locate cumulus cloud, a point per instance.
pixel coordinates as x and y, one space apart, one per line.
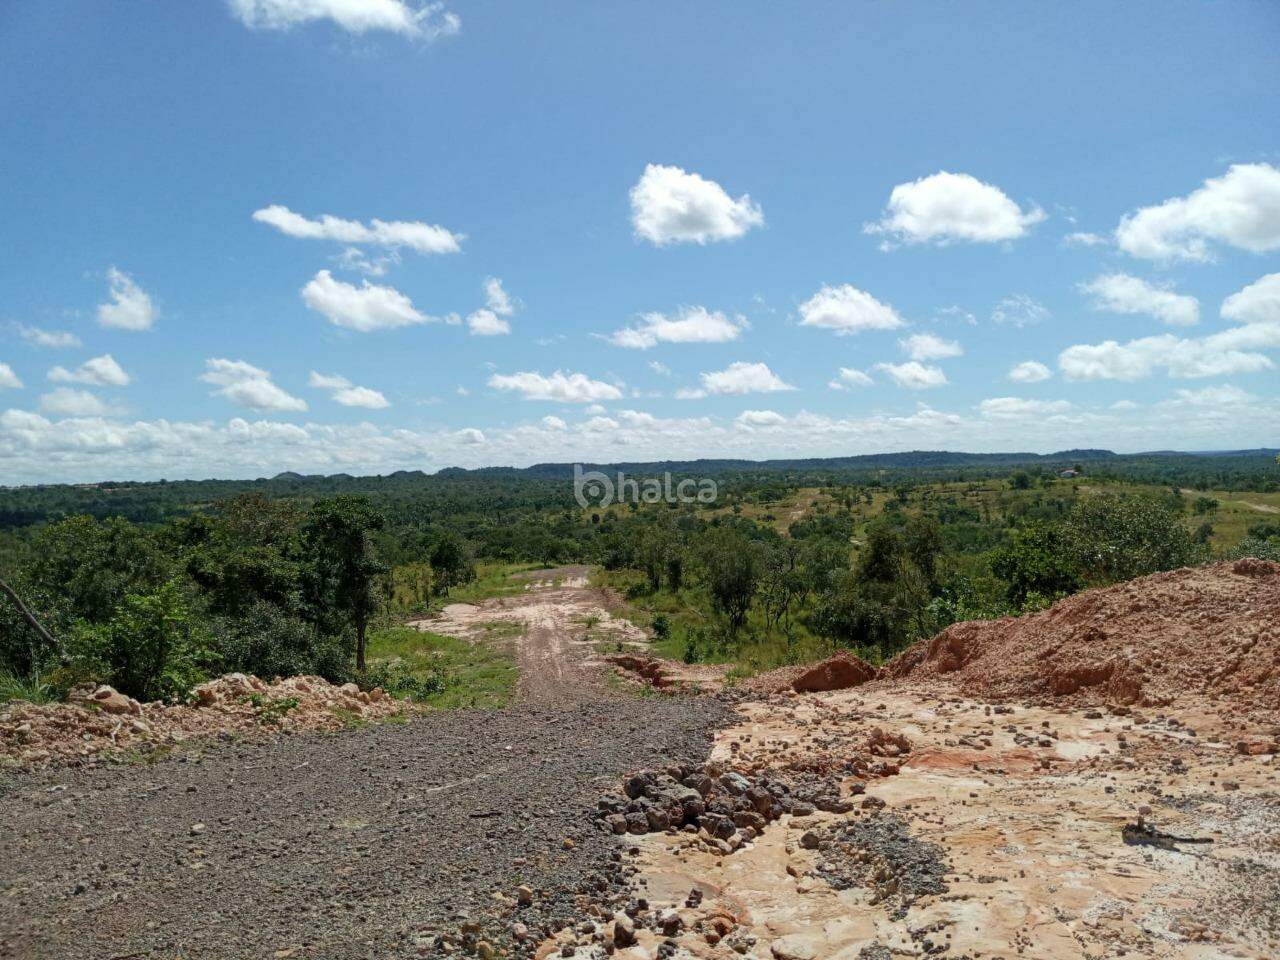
1121 293
1019 310
670 205
686 325
914 375
248 386
1259 302
365 308
749 419
946 207
1029 371
489 321
1230 351
343 391
66 402
470 436
418 21
130 308
423 237
8 379
1225 395
847 310
925 346
849 377
558 387
1017 407
55 339
735 380
1084 239
1240 209
101 371
554 423
486 323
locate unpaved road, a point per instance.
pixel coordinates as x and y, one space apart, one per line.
366 843
559 614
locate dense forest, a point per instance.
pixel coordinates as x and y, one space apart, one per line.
154 586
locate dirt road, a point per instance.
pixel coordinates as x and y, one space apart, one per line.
367 843
561 619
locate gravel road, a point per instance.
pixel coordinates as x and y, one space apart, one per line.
366 843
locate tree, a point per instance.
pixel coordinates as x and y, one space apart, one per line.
1109 539
451 564
344 567
731 566
1034 561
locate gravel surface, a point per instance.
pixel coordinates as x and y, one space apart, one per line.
370 842
366 843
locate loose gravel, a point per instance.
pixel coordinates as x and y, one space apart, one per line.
371 842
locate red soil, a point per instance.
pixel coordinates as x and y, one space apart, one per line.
1210 631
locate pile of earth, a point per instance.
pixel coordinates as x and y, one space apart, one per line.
1211 631
99 721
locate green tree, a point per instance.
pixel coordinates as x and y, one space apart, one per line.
344 566
451 564
731 567
1034 562
1110 538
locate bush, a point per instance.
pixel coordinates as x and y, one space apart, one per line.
661 627
1034 562
150 649
396 679
1109 539
267 642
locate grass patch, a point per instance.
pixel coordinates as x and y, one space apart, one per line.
449 672
32 689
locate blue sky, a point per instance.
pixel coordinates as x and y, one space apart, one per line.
991 226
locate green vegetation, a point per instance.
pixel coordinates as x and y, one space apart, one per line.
153 587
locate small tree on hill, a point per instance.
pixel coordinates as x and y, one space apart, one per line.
345 568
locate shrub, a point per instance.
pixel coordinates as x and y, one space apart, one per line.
1109 539
661 627
267 642
150 649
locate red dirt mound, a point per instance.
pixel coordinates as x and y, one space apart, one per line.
835 673
1211 631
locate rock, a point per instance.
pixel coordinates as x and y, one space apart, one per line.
524 895
840 672
624 930
108 700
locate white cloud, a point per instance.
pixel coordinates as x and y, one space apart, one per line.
1228 352
1019 310
749 419
248 386
365 308
8 379
1259 302
353 258
343 391
1240 209
952 206
737 379
1121 293
56 339
554 423
559 387
470 436
849 377
1029 371
925 346
1225 395
1017 407
497 299
65 402
914 375
687 325
418 21
1083 239
486 323
660 368
414 234
101 371
130 308
669 205
847 310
